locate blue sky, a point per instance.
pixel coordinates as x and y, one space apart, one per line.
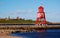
28 9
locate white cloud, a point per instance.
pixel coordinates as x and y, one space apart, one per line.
30 11
21 12
53 16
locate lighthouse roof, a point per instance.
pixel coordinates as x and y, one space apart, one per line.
40 7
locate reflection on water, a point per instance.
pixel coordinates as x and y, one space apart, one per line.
49 33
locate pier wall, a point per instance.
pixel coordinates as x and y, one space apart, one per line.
8 29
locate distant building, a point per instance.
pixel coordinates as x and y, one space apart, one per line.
8 18
17 18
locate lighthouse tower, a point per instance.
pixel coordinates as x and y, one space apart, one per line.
40 20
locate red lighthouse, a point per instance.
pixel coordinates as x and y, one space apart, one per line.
40 20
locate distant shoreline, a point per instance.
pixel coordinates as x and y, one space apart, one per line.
23 22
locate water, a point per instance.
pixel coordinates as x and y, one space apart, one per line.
49 33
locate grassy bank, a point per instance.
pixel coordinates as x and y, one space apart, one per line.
21 21
17 21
